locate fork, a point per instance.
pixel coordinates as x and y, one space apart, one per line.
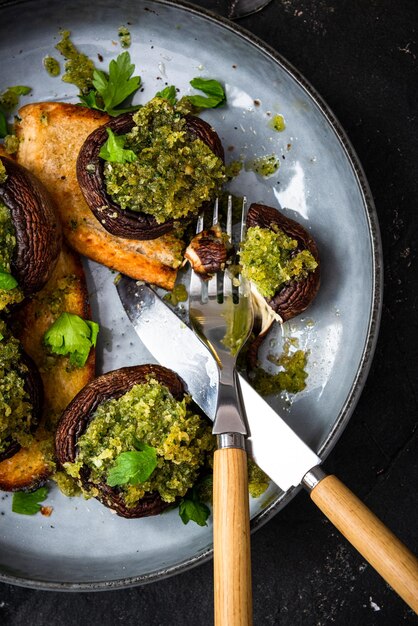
221 315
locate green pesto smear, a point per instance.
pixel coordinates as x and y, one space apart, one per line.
15 405
233 169
291 378
173 173
264 166
7 248
124 37
78 67
237 323
177 294
269 260
149 414
9 99
52 66
278 123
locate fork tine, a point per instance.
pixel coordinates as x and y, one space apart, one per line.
243 219
229 218
215 218
199 223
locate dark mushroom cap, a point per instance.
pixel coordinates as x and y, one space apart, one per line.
123 222
38 231
33 385
79 412
207 252
294 297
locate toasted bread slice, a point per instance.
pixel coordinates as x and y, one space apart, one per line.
51 135
65 291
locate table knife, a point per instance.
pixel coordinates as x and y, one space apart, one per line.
272 443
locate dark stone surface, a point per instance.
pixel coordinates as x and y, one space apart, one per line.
361 57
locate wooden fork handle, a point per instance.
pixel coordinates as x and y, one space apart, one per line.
389 557
231 538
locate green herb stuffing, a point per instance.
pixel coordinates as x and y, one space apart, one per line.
269 259
11 144
258 481
147 416
78 67
67 485
10 292
29 503
109 91
15 404
292 377
71 334
263 166
174 172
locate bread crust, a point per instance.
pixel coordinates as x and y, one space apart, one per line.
31 466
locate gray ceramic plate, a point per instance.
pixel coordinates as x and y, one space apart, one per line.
320 182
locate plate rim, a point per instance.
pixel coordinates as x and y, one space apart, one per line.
372 331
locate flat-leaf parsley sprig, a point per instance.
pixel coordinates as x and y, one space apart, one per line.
133 467
29 503
112 89
72 335
214 94
191 508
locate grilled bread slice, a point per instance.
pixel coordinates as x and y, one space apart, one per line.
65 291
51 135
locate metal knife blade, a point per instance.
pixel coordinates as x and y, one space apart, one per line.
272 444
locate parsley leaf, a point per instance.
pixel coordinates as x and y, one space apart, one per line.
133 467
90 100
113 149
28 503
168 93
72 335
3 125
212 88
114 88
7 281
191 508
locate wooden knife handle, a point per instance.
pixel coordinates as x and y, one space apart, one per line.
231 539
379 546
